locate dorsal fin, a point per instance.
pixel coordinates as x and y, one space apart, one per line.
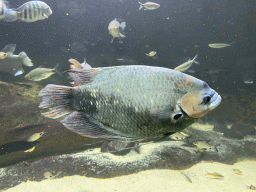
83 76
9 48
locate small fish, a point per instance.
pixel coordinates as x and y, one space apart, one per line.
48 175
11 63
35 137
204 146
32 11
40 73
30 150
179 136
75 63
149 6
114 28
219 45
251 187
214 175
151 54
120 146
237 171
186 65
129 101
187 178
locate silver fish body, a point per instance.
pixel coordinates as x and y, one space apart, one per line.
186 65
219 45
129 101
11 63
33 11
149 6
40 73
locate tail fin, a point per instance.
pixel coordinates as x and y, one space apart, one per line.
141 5
25 59
58 98
56 70
11 15
123 25
194 59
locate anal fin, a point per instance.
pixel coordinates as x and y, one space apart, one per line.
82 124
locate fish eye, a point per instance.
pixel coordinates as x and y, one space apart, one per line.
177 116
206 99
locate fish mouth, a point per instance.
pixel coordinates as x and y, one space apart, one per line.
215 101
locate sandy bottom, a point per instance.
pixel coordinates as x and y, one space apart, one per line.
155 180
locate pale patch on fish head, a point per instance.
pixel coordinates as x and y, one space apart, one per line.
3 55
196 104
47 12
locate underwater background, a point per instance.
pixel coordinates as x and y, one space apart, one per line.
177 31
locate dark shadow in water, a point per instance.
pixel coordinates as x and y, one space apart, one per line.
16 146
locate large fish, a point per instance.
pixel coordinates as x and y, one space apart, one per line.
30 12
129 101
114 28
13 63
